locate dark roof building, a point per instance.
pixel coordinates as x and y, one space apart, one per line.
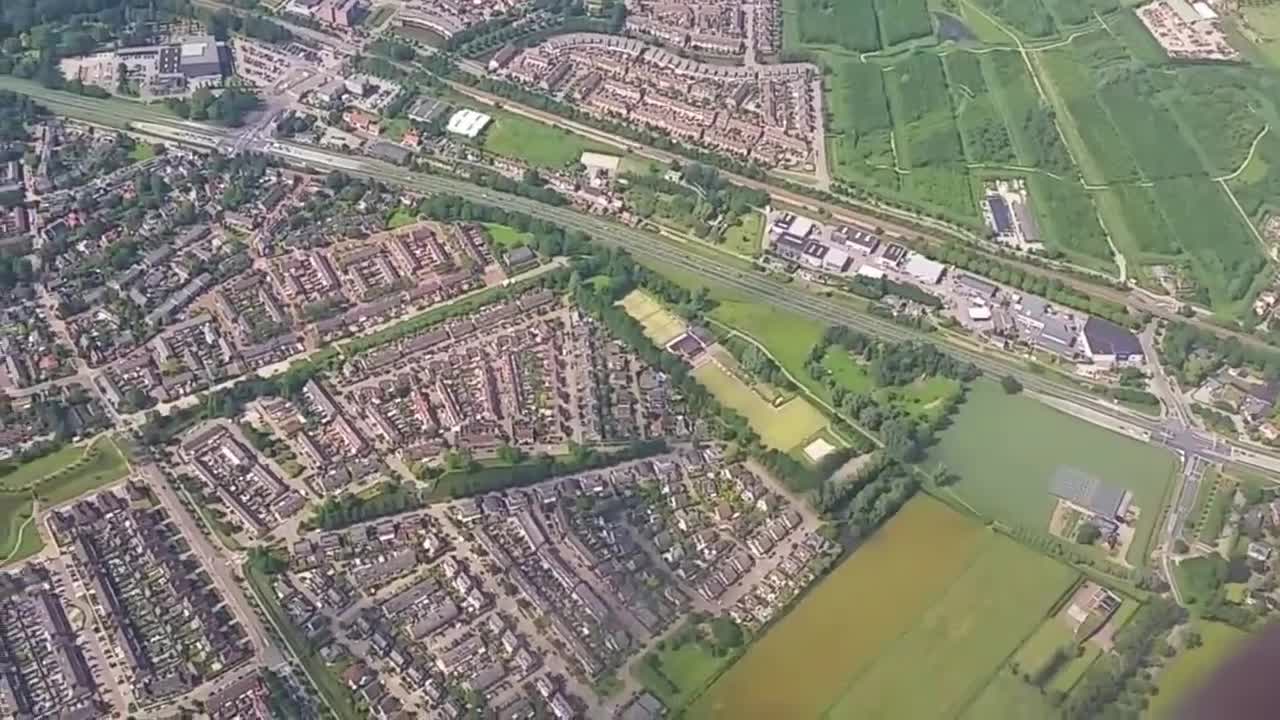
977 286
1108 340
1089 493
1001 217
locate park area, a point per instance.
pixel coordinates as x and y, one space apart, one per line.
1004 448
926 398
53 479
933 594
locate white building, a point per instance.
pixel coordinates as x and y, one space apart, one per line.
468 123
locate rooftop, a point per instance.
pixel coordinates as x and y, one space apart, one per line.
1088 492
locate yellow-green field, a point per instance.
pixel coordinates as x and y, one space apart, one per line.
1184 673
782 427
660 324
932 595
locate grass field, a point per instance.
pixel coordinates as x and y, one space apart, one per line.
1033 440
506 237
1039 649
400 218
850 25
787 336
1184 673
15 542
660 324
55 478
931 595
28 474
783 427
689 668
142 151
744 236
536 143
1008 697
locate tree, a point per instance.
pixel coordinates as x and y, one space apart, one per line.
1011 385
726 634
1192 639
1088 534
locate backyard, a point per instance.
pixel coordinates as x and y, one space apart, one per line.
1033 440
932 594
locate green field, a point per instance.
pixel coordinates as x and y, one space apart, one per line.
1039 649
861 129
784 427
53 479
787 336
923 398
931 595
849 25
28 474
744 236
902 20
1184 673
1033 440
1008 697
688 668
660 324
983 132
536 143
401 218
1028 18
17 539
506 237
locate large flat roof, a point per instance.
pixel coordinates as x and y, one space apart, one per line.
467 122
1088 492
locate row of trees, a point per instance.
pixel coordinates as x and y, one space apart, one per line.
226 108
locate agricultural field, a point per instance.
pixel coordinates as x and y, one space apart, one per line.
1225 255
1257 188
536 143
1011 486
660 324
1008 697
784 427
1189 668
861 130
902 20
983 132
1221 112
1038 651
923 119
931 594
848 25
1262 27
1028 18
1069 220
1144 230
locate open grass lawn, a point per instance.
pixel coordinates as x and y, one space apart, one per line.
660 324
28 474
744 236
1039 650
688 668
783 427
931 595
536 143
1012 485
787 336
395 128
1184 673
506 237
15 542
102 464
400 218
1262 27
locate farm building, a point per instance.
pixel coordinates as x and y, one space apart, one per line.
1089 494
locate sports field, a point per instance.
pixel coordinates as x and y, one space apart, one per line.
1033 440
783 427
931 595
660 324
1185 672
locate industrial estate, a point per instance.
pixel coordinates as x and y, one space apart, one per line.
631 359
